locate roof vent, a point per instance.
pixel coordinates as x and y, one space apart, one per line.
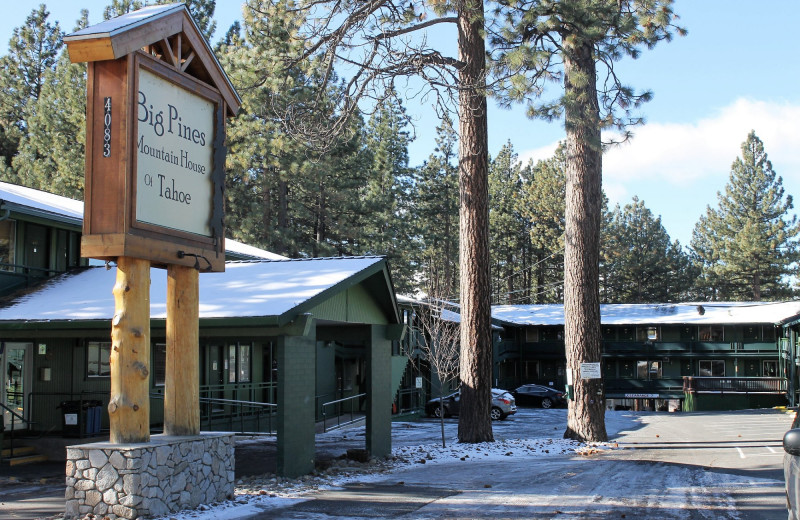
701 310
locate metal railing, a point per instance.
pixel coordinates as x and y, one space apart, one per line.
737 385
250 413
336 408
14 417
410 400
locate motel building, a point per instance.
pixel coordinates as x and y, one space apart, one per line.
666 357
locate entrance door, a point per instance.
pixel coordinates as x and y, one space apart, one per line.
17 360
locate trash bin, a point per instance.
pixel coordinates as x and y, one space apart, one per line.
93 417
73 419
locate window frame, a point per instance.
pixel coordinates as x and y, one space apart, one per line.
710 370
100 346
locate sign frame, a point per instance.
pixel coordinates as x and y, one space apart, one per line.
111 228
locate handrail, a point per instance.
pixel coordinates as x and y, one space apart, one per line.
257 408
14 415
339 413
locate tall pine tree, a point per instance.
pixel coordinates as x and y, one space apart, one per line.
639 262
747 245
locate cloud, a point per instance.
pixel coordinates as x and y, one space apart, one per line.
681 154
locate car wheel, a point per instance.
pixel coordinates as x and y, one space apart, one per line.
437 412
496 413
547 402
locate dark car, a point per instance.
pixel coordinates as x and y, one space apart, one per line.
539 395
503 405
791 468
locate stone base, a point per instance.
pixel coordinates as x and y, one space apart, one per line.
143 480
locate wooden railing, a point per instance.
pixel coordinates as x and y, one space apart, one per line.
737 385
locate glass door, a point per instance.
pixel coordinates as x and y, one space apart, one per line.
17 360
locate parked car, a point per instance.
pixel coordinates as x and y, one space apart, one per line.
539 395
791 468
503 405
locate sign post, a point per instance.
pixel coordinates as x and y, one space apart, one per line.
157 101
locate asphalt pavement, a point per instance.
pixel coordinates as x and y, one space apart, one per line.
665 465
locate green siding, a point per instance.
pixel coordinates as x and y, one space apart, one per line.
355 305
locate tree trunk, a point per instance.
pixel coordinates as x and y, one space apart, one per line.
474 423
582 334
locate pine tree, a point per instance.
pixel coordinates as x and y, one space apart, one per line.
747 246
509 231
542 204
32 51
639 262
435 213
386 197
567 40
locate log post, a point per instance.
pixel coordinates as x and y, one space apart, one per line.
129 406
182 379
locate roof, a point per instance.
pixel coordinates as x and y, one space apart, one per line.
275 290
123 35
39 203
29 201
658 313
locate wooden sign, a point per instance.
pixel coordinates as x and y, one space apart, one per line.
157 102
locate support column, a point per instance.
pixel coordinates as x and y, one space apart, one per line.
379 393
182 378
129 406
296 404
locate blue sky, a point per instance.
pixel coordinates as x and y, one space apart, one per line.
736 71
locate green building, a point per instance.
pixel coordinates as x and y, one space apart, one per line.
283 343
688 356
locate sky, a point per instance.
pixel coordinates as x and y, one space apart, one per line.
734 72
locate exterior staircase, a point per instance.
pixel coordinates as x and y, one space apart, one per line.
20 454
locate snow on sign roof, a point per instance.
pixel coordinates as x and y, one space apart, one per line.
245 289
41 200
657 314
126 21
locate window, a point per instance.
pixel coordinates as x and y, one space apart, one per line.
551 334
7 244
239 362
712 368
97 359
648 369
712 333
531 335
770 368
646 333
769 333
159 364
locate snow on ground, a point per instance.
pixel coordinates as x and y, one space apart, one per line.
531 434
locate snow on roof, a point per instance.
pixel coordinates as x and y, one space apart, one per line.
64 206
125 22
41 200
245 289
657 314
233 246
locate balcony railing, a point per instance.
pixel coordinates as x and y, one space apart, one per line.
734 385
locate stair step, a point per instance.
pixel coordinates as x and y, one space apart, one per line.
18 450
26 459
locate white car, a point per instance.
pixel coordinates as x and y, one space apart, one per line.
503 405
